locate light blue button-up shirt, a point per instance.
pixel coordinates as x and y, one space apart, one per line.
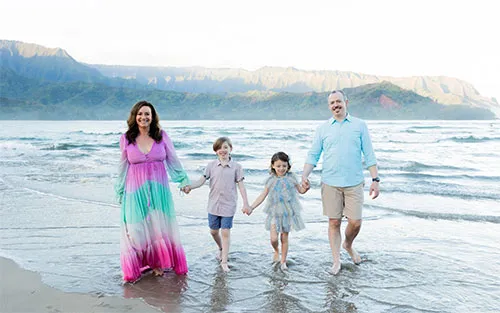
342 144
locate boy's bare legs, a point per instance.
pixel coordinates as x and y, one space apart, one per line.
275 244
284 250
335 239
216 235
226 239
351 231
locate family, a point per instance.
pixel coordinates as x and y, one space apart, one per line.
150 238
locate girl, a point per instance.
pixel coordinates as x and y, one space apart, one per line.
224 174
282 207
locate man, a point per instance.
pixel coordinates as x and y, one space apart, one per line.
342 139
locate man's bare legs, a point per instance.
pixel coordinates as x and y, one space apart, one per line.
351 231
275 243
335 239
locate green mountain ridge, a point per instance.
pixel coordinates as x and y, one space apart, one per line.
443 89
26 98
49 84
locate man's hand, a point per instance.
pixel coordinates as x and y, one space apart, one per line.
374 190
305 183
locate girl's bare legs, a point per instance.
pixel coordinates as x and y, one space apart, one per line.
216 235
275 243
284 250
226 240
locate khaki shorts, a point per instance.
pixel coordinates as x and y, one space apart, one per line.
342 201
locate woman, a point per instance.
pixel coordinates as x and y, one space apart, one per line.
149 231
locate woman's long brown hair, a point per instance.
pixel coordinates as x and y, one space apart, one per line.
133 128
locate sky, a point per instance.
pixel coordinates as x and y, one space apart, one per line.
381 37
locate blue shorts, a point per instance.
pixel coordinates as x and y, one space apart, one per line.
216 222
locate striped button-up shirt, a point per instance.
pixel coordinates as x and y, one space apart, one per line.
342 144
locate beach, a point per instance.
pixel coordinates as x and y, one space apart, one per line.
23 291
429 242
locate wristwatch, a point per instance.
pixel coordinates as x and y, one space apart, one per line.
377 179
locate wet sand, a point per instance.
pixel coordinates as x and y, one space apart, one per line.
23 291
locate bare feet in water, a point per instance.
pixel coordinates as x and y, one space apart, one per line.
224 266
276 257
336 268
283 266
219 255
158 272
353 253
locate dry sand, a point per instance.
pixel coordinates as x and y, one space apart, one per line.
23 291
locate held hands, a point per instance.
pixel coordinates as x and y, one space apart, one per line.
247 210
305 184
186 189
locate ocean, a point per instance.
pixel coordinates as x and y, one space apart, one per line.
430 242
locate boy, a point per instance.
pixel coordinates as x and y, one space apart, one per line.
224 174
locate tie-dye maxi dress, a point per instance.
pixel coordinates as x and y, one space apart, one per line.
149 231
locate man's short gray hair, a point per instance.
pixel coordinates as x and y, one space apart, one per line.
339 91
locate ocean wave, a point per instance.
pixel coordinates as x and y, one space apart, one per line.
15 146
200 155
24 138
77 156
273 136
414 166
229 132
82 146
443 216
388 150
82 132
181 145
443 190
192 132
425 127
255 171
457 177
50 194
470 139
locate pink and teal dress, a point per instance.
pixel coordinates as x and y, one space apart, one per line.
149 230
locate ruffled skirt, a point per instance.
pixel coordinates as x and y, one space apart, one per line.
149 230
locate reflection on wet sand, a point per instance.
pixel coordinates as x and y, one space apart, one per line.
221 297
161 292
278 299
334 299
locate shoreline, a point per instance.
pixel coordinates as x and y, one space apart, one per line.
23 291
